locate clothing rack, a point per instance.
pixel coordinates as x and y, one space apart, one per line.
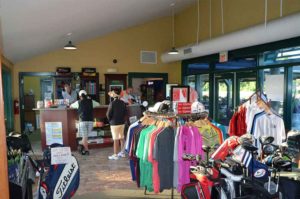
160 116
171 115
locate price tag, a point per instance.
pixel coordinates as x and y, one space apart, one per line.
60 155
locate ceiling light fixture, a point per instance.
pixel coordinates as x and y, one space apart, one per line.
70 46
173 50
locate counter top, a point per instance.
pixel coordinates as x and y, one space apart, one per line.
64 108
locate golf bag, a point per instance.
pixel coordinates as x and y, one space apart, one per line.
61 180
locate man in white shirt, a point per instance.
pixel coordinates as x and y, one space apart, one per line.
69 94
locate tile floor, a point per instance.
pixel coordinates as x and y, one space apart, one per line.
103 178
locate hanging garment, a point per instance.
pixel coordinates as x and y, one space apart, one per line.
210 136
132 153
189 142
175 158
252 110
269 125
155 175
163 154
145 166
220 134
223 129
129 139
237 124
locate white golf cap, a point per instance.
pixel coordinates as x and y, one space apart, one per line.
82 92
197 107
155 108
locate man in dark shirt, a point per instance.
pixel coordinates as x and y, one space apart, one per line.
85 111
116 113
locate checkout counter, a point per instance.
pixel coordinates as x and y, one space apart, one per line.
63 123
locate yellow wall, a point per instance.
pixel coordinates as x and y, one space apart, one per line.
238 14
124 45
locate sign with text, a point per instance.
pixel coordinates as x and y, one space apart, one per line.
53 133
60 155
223 56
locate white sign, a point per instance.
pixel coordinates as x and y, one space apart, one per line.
274 87
223 56
53 133
60 155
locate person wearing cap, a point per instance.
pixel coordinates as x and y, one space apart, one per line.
126 96
85 107
69 94
116 114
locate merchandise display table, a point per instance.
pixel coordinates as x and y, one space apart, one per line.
67 117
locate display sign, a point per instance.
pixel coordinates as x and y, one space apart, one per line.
274 87
223 56
60 155
180 93
88 71
53 133
63 71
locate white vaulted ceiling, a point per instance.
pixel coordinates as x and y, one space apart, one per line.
34 27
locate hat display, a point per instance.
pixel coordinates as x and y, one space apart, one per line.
197 107
82 92
155 108
160 107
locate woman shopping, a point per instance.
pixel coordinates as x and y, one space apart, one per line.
116 114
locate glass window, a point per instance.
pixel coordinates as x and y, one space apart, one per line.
224 100
296 98
191 81
203 89
286 55
274 88
237 64
247 86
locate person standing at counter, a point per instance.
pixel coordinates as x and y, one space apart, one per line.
116 114
69 94
85 107
126 96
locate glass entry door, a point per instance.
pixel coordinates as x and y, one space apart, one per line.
245 86
224 98
232 89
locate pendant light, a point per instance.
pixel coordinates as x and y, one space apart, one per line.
173 50
69 45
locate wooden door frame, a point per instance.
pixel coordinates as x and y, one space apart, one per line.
4 189
21 91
